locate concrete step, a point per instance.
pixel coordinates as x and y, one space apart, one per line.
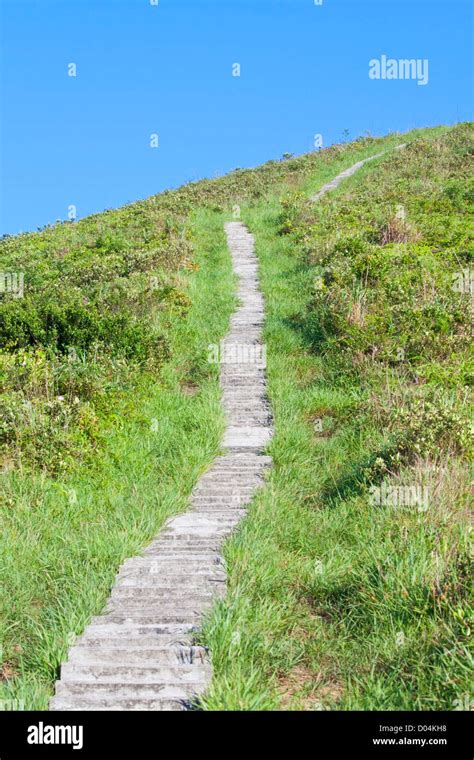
247 437
163 562
182 617
223 492
196 579
133 629
232 509
248 466
230 474
110 642
254 384
159 608
192 582
242 360
176 592
156 603
180 555
117 674
179 544
162 632
91 690
139 656
197 531
195 520
181 548
232 495
254 470
115 704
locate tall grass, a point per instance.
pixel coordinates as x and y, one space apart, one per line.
335 602
64 539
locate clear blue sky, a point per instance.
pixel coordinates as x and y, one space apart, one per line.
167 69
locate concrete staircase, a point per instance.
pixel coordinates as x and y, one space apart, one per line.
139 654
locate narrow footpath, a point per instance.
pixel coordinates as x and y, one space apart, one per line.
139 654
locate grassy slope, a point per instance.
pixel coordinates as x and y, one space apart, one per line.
109 407
64 538
335 603
69 523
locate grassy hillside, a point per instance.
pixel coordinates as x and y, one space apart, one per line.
110 411
350 579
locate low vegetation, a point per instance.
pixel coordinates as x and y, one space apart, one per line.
110 411
350 578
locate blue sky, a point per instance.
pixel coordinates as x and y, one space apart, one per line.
167 69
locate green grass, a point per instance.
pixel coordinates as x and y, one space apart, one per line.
64 539
111 412
335 603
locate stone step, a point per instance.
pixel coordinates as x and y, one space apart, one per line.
242 458
134 629
181 555
251 470
131 643
244 411
195 520
179 599
227 489
232 495
148 569
160 609
248 459
139 656
238 383
163 584
91 690
236 437
204 527
117 674
246 422
250 397
200 563
212 509
234 482
158 580
224 481
184 617
234 385
201 531
151 593
169 544
114 704
239 362
181 552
